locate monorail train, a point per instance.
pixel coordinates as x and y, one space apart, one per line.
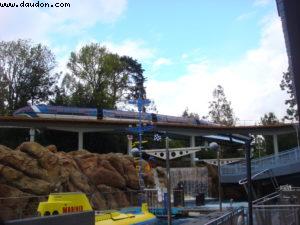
63 112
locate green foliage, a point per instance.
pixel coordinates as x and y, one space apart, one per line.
177 143
285 141
220 108
288 85
269 119
100 79
13 137
97 78
259 148
105 143
206 154
25 74
188 114
63 140
136 77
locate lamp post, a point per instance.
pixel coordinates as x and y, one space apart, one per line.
215 147
249 181
169 210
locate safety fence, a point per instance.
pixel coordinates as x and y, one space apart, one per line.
276 214
12 208
234 217
268 162
26 206
86 218
20 207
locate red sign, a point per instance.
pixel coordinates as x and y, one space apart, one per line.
73 209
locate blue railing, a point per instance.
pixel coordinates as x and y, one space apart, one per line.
235 216
268 162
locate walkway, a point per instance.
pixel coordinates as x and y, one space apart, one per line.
284 163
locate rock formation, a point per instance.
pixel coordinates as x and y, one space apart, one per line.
30 172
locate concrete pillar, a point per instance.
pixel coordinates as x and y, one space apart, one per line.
129 144
275 143
80 140
206 144
193 155
32 134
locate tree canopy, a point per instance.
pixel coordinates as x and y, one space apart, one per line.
188 114
25 74
220 110
288 85
269 119
100 79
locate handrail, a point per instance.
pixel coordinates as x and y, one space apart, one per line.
266 198
276 206
279 154
226 217
267 162
244 180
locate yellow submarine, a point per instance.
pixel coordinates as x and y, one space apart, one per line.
60 203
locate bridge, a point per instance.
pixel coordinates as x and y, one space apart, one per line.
282 164
118 126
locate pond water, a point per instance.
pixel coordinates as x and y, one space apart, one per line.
195 220
175 221
210 205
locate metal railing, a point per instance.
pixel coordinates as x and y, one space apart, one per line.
276 214
267 162
234 217
26 206
274 196
20 207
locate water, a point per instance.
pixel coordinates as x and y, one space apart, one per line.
194 180
158 186
225 204
210 205
175 221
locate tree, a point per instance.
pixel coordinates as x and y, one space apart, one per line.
269 119
188 114
288 85
3 94
60 97
136 78
260 144
100 79
25 74
220 108
285 141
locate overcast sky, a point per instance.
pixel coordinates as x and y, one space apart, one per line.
187 48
